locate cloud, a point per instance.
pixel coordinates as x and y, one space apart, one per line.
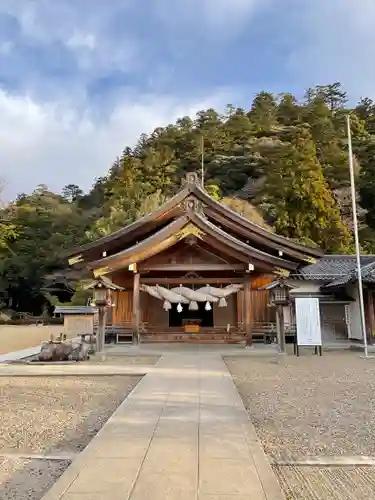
79 82
334 42
218 19
55 145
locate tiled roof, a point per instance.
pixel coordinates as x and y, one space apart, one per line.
338 270
368 276
335 267
335 271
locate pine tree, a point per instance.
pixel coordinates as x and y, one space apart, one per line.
333 94
288 111
330 152
300 200
365 110
366 153
263 111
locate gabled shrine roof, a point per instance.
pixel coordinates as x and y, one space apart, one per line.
191 211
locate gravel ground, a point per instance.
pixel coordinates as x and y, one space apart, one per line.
40 415
331 483
28 479
311 405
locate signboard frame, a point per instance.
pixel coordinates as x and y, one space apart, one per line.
308 324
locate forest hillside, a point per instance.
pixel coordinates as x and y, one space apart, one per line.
282 163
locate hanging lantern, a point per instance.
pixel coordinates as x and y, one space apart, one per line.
167 306
223 302
179 308
100 295
280 293
193 306
207 306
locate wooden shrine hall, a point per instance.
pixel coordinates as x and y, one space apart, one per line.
191 270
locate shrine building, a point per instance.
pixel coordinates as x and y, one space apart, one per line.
192 271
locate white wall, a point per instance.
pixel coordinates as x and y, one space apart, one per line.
300 286
355 313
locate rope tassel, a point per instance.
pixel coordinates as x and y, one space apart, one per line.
223 302
193 306
167 306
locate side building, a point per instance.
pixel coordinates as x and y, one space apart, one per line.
333 279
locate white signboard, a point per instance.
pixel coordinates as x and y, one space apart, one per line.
309 331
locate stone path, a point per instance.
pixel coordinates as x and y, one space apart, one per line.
182 434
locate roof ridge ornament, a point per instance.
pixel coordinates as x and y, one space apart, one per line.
193 205
191 178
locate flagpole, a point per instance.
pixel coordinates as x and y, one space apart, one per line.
356 238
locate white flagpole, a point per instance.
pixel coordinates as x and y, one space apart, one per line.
356 238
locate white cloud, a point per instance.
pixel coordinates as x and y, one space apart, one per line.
54 145
218 18
79 39
222 13
67 139
50 131
336 40
79 26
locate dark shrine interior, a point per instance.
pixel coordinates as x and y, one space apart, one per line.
177 319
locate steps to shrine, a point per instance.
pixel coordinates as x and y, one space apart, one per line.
194 338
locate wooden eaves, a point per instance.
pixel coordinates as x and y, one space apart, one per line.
179 229
176 207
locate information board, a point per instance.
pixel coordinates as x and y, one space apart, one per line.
309 332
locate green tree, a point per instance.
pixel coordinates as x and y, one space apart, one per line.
72 192
288 110
365 110
299 200
263 111
333 94
366 153
46 226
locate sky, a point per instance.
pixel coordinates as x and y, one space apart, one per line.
81 80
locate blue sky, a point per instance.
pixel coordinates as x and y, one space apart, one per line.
80 80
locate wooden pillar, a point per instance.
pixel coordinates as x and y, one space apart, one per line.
247 310
100 338
371 314
136 308
280 328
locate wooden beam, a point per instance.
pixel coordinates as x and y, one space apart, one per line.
248 310
280 328
191 281
136 308
193 267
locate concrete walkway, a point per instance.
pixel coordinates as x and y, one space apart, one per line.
182 434
15 355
